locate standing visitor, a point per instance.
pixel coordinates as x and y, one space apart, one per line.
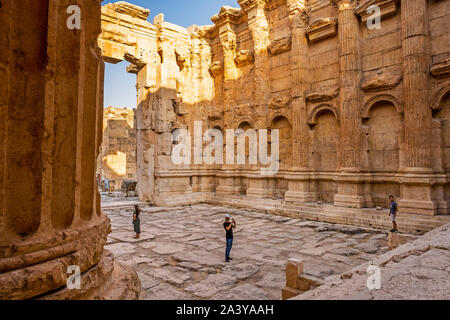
107 185
229 226
137 221
393 209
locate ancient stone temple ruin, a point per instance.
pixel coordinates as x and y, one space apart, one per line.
362 111
117 159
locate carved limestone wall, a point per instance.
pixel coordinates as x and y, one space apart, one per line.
361 111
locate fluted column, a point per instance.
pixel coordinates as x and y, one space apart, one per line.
300 188
416 190
350 188
51 117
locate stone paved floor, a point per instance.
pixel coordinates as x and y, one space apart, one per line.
181 251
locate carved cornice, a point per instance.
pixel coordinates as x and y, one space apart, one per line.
244 57
379 82
298 13
387 8
322 94
321 28
226 15
441 70
280 45
131 10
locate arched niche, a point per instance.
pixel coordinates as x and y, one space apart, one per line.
324 138
384 124
441 112
318 110
282 124
380 98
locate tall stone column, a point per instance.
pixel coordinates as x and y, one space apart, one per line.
226 22
258 185
300 188
416 182
350 185
51 124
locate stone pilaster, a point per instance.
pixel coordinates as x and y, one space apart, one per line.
226 22
259 30
350 188
299 183
416 190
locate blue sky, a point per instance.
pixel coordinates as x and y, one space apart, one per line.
120 86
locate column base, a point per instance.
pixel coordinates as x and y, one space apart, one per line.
108 280
301 197
412 206
349 201
301 189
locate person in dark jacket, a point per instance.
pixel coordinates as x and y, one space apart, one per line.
137 221
229 226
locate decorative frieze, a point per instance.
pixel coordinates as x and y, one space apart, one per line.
321 28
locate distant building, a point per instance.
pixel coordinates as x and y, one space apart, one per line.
117 159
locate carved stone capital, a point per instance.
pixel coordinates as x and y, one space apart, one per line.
298 13
248 5
227 15
345 4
